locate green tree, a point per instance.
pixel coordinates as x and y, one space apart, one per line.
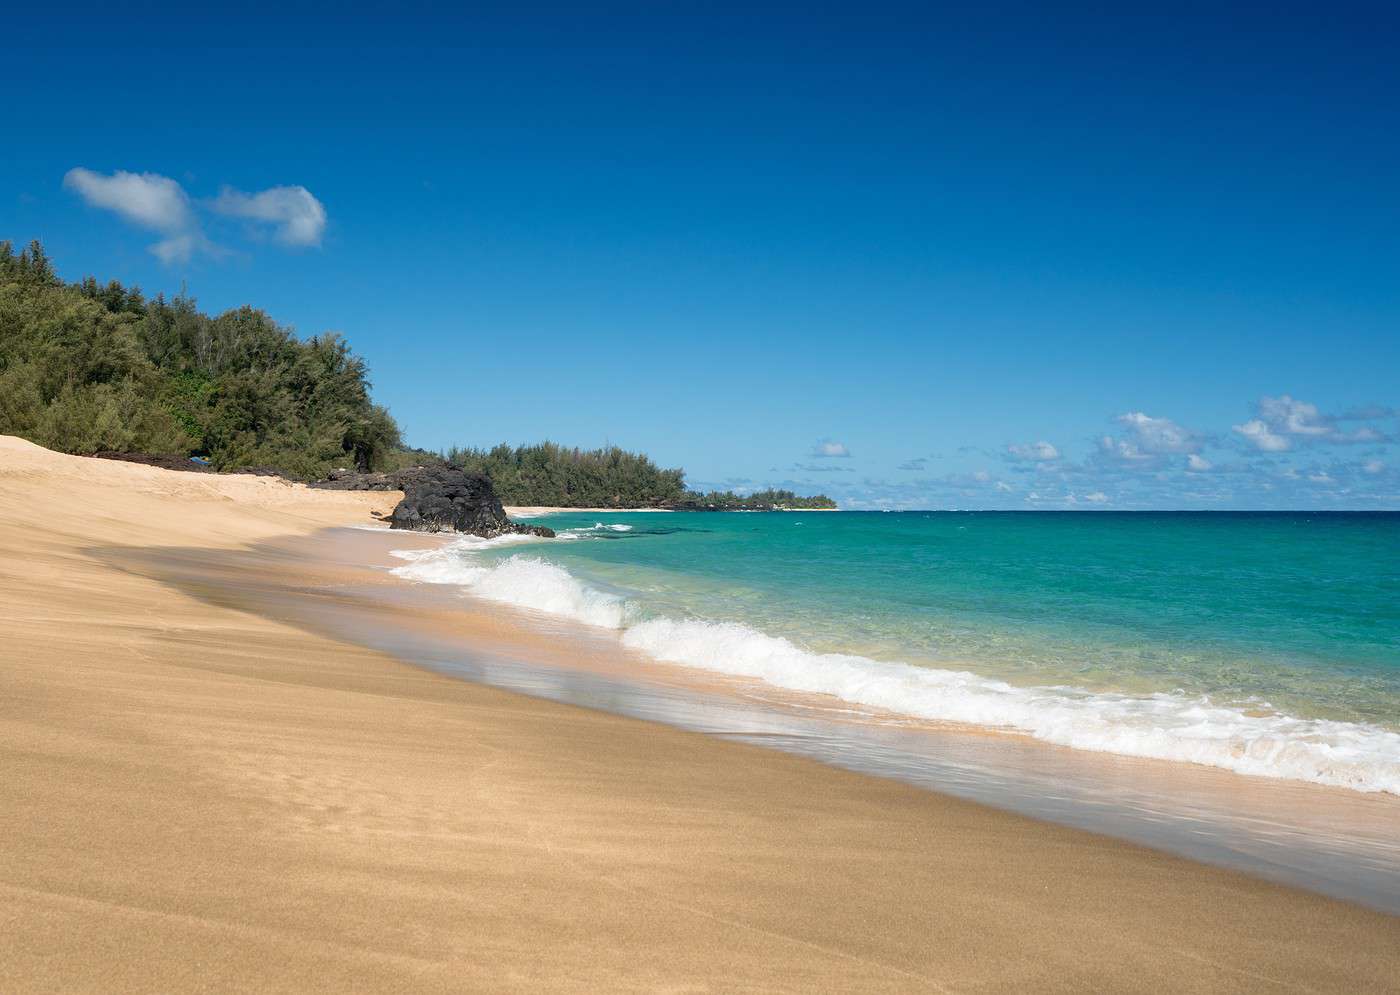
91 366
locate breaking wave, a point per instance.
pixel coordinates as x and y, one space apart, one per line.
1258 741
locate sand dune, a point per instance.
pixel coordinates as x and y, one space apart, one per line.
197 798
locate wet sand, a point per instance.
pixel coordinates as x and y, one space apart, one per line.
196 795
337 582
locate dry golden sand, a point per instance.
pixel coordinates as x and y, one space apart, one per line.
196 798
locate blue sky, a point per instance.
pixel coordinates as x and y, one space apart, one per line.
910 257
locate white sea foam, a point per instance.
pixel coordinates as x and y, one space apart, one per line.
589 531
1162 726
523 581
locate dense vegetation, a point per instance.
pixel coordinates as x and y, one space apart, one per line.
87 367
556 476
549 474
757 501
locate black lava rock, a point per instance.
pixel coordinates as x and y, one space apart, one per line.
449 499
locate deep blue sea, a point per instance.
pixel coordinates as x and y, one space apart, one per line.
1264 643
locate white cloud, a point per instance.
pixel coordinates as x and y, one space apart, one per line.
1158 435
1096 497
1283 419
1040 452
178 248
1197 464
1258 433
297 216
830 449
1146 441
1294 417
1003 486
1373 466
1122 450
160 204
147 199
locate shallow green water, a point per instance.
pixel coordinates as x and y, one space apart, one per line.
1302 610
1265 643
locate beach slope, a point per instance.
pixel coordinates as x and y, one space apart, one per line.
198 798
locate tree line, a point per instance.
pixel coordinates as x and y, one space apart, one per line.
765 500
87 367
551 475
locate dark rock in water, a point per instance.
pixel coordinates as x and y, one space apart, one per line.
542 531
437 498
448 499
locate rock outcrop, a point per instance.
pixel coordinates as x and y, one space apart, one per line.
438 499
349 480
166 461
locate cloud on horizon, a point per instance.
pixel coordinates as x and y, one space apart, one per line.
1152 461
1283 422
1034 452
1147 441
812 468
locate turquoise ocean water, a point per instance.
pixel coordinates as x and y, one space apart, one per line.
1265 643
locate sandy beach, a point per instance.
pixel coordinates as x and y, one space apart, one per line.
197 797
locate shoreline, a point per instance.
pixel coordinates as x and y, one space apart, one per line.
1328 839
203 796
1165 719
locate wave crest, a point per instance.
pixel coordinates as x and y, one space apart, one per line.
1158 726
523 581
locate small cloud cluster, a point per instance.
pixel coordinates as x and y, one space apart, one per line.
1033 452
296 217
815 468
1149 460
1282 423
1159 435
830 449
159 203
1148 440
1257 433
147 200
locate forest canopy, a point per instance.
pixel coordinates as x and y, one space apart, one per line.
88 367
551 475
